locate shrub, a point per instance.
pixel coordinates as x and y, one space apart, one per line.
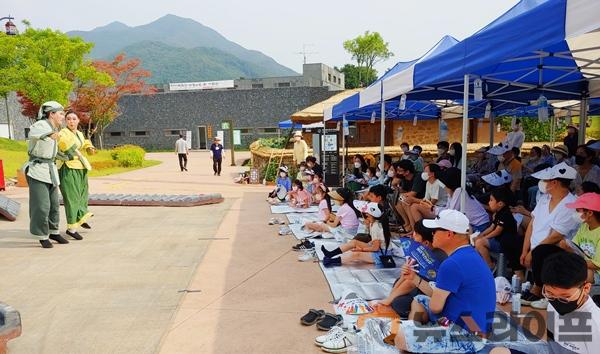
128 155
100 165
277 143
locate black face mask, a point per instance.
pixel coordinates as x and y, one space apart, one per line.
565 308
579 160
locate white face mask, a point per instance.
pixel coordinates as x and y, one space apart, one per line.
282 174
378 174
542 186
357 165
501 158
424 176
294 188
451 152
298 138
440 152
390 173
577 217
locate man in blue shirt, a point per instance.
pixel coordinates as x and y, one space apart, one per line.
461 305
216 154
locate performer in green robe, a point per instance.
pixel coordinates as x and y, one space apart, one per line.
42 174
73 175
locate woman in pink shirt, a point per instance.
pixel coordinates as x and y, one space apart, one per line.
298 196
346 218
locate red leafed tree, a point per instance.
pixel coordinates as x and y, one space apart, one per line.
100 103
28 108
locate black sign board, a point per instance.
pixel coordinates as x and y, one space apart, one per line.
330 157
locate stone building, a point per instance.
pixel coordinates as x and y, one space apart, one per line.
19 124
155 121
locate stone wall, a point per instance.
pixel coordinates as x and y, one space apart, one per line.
427 132
18 121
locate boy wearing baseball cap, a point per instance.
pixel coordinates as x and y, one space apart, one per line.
465 294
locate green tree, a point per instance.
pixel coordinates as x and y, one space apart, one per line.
353 75
367 49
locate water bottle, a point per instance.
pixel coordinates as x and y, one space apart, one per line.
527 286
501 265
516 303
515 284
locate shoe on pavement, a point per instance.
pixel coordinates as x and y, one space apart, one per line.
309 255
340 343
540 304
304 245
284 230
75 235
528 298
333 333
46 244
85 225
58 238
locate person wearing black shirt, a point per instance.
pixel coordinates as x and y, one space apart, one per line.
311 163
412 188
571 141
442 151
502 235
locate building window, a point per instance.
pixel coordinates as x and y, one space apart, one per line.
257 86
339 80
139 133
334 79
283 84
268 130
116 133
174 132
329 76
245 130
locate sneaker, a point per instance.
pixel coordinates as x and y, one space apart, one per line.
309 255
334 332
284 230
46 244
85 225
528 298
58 238
75 235
540 304
340 343
303 246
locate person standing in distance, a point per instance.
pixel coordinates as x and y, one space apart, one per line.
216 154
182 152
300 148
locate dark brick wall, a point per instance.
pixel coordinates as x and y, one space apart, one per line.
249 109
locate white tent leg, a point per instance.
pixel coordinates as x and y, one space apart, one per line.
463 160
382 143
343 150
583 115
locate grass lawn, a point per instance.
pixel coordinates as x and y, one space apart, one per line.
14 154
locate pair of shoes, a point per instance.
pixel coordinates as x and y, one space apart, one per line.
284 230
332 262
332 253
540 304
528 298
312 317
85 225
46 244
336 340
275 221
58 239
75 235
215 174
218 174
304 245
185 169
309 255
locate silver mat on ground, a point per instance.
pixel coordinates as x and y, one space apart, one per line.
9 208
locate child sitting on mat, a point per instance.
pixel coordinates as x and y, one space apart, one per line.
298 196
380 244
346 218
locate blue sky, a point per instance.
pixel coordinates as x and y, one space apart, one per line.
281 28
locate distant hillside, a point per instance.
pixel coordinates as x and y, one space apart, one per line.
185 35
171 64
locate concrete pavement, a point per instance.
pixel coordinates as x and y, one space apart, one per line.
117 291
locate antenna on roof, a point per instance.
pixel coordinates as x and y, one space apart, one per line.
304 53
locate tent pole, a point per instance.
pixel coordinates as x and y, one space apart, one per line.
552 131
463 159
583 115
382 137
343 149
491 129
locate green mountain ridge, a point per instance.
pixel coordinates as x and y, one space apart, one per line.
181 34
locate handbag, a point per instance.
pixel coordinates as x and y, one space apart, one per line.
387 260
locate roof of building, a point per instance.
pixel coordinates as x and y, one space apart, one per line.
314 113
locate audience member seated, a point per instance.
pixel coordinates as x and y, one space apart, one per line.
455 153
346 218
533 192
404 291
372 176
551 222
547 156
414 156
464 294
588 187
502 235
587 170
533 160
299 197
484 165
442 151
568 293
561 154
311 163
490 182
412 188
355 251
435 194
405 148
508 162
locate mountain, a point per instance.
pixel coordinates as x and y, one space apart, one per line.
173 64
182 34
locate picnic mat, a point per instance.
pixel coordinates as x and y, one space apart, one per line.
302 218
9 208
164 200
284 208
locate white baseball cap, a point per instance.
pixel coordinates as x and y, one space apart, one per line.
499 149
451 220
498 178
561 170
368 208
283 169
298 133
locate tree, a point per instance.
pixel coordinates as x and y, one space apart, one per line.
99 102
367 50
353 75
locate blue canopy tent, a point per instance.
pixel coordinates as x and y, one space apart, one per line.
288 124
539 47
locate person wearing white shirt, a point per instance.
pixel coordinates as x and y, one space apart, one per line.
516 137
551 222
182 152
573 319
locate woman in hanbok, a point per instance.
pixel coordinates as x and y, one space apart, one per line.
73 175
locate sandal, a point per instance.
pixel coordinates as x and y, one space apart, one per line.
329 321
312 317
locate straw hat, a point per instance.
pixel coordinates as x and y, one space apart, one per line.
561 149
335 195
